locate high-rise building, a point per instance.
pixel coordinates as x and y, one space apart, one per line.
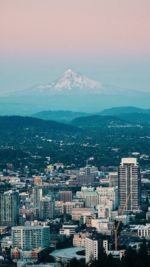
93 245
65 196
9 208
91 199
37 197
30 237
37 181
47 206
83 179
108 196
129 185
91 249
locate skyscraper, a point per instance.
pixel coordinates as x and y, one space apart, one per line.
129 185
9 208
37 196
47 206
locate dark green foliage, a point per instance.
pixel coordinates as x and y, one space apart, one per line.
67 243
98 121
28 141
44 256
14 123
76 263
131 259
136 118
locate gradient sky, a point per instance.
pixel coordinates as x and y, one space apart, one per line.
109 40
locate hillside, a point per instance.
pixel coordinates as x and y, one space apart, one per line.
130 114
60 116
18 123
124 110
140 118
98 121
35 143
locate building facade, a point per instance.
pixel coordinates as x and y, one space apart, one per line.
129 185
47 208
65 196
93 245
30 237
9 208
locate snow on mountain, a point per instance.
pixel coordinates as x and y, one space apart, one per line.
70 82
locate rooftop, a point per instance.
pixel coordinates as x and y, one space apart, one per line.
68 253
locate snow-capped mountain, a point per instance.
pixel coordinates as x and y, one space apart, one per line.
72 91
69 82
73 83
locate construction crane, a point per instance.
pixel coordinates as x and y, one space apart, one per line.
116 226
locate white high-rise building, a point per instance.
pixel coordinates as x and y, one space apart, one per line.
93 246
91 249
108 196
91 199
129 185
30 237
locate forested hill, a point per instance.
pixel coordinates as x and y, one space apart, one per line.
26 141
18 123
98 121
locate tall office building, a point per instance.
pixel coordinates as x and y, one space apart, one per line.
30 237
37 197
47 208
37 181
9 208
129 185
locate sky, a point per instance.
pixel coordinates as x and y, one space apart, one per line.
108 40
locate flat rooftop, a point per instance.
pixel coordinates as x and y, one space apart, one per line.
68 253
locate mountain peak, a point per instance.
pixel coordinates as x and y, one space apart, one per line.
69 72
70 82
73 81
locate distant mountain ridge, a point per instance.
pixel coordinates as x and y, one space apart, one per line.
126 114
60 116
130 114
71 91
124 110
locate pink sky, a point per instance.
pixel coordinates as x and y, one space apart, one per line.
75 27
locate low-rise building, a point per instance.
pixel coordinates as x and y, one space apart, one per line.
143 231
77 213
68 229
103 226
79 239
